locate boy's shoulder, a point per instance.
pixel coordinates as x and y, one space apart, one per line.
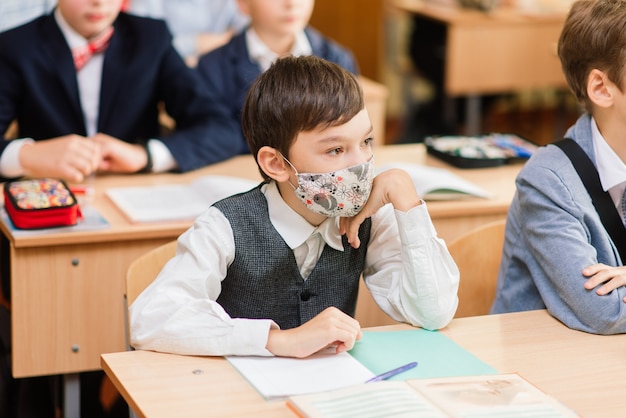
235 48
331 50
143 22
19 31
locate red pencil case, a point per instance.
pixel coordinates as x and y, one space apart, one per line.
40 203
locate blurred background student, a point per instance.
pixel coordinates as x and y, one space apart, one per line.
78 114
15 12
277 28
198 26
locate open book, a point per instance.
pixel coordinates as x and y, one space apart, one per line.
175 202
374 354
434 183
502 395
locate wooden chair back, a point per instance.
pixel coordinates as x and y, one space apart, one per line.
141 273
478 254
145 269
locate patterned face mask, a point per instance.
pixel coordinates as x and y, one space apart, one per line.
337 193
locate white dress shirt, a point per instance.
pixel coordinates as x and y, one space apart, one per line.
408 270
611 168
260 53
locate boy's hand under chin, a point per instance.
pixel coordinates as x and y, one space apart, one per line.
392 186
331 327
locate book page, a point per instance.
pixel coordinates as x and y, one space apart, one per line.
175 202
503 395
279 377
367 400
434 183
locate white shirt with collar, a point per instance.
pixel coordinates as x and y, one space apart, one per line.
260 53
89 80
611 168
408 270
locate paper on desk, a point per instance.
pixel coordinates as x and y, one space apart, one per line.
176 202
436 354
434 183
279 377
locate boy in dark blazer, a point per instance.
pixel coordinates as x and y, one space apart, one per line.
81 114
276 29
104 115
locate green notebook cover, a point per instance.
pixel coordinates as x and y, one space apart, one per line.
436 354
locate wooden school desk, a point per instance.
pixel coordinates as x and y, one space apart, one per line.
501 51
584 371
67 287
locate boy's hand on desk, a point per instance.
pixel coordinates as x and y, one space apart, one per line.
70 157
119 156
391 186
331 327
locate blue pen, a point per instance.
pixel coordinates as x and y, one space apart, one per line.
393 372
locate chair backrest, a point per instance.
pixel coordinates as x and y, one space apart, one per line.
141 273
478 254
144 270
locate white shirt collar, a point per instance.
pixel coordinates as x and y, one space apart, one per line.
259 52
292 227
610 167
73 38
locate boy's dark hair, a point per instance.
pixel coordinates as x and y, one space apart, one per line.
593 37
298 94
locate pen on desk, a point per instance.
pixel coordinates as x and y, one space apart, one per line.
393 372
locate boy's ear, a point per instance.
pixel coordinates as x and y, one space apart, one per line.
600 89
273 164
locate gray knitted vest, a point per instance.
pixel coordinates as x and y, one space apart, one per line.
264 282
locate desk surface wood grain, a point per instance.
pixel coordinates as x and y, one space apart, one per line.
586 372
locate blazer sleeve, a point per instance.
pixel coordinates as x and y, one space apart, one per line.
560 235
204 133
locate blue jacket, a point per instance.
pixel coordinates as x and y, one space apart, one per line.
141 68
229 72
553 231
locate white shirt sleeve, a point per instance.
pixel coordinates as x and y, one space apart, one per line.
409 270
162 159
9 160
178 313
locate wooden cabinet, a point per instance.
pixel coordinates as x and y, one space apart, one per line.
356 24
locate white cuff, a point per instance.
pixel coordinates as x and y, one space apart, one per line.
10 160
162 159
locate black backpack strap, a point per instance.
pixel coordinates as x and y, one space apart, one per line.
601 200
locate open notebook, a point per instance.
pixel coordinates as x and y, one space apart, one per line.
374 354
176 202
434 183
502 395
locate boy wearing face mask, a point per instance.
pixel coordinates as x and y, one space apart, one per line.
275 270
